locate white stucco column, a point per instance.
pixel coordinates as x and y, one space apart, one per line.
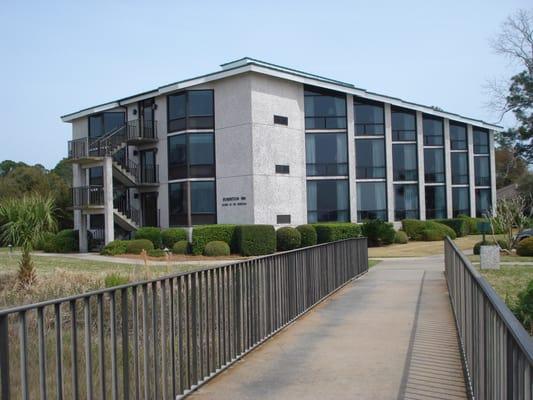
80 220
108 200
388 160
471 172
350 121
492 169
448 168
421 176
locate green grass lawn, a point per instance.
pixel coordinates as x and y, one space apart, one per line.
505 258
371 263
509 280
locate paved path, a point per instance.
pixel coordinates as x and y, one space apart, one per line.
388 335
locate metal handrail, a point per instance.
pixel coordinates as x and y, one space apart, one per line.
498 352
92 195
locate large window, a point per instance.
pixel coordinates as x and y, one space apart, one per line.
370 158
459 168
324 109
403 125
327 200
202 207
405 162
433 131
434 171
191 155
435 202
405 202
369 118
460 201
104 123
326 154
483 202
481 141
96 176
482 170
458 136
191 110
371 200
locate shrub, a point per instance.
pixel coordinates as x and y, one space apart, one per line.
477 247
181 247
150 233
288 238
432 235
216 248
378 232
172 235
255 240
307 234
47 243
157 253
114 248
525 247
203 234
524 307
66 241
400 237
112 280
459 225
471 223
138 245
330 232
414 227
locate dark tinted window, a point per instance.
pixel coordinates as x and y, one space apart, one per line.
482 170
405 162
483 202
435 202
191 155
327 200
96 176
460 201
370 158
177 156
177 203
280 120
282 169
369 118
405 201
458 137
104 123
403 125
371 200
324 110
481 141
283 219
434 165
326 154
433 132
190 110
203 207
459 168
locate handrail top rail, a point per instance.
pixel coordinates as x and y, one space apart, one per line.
514 326
27 307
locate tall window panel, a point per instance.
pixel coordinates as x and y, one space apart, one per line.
328 200
433 131
460 201
191 155
459 168
326 154
104 123
434 170
482 170
435 202
193 109
458 136
203 205
369 118
324 109
405 162
371 201
370 158
405 202
483 202
178 204
481 141
403 125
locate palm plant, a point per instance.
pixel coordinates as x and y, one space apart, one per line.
25 221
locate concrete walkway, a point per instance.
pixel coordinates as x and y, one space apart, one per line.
388 335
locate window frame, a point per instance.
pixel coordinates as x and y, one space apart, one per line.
188 166
312 91
365 169
337 211
357 101
396 178
426 137
338 167
188 117
101 116
475 134
452 141
395 133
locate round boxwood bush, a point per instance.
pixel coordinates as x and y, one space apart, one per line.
378 232
400 237
172 235
138 245
47 243
477 247
525 247
288 238
216 248
181 247
150 233
432 235
114 248
66 241
157 253
308 235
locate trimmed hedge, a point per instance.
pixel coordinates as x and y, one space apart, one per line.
288 238
157 253
255 240
330 232
181 247
172 235
477 247
138 245
459 225
47 243
400 237
150 233
414 228
203 234
66 241
216 248
472 224
114 248
432 235
308 235
525 247
378 232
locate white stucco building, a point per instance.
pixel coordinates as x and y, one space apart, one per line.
257 143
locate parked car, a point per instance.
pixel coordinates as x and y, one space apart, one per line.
524 234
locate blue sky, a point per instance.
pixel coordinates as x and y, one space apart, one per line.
58 57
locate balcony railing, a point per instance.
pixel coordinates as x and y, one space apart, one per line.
148 174
86 196
141 130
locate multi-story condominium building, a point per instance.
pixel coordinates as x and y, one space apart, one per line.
257 143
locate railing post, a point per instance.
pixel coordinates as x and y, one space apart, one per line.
4 358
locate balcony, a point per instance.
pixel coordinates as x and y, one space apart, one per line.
141 132
87 197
